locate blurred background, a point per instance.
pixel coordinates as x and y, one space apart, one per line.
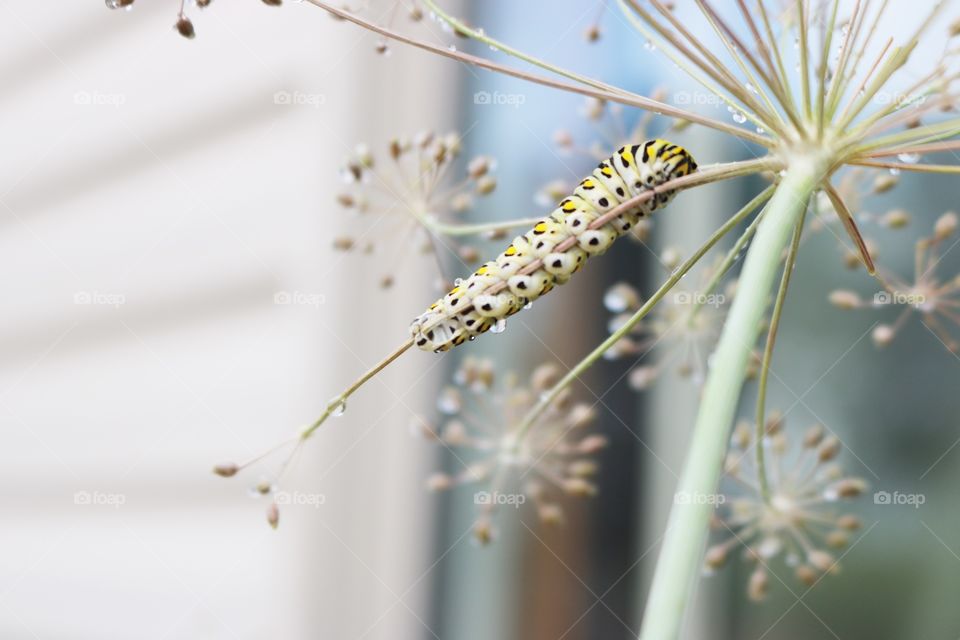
173 299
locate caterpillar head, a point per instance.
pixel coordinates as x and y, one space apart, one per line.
671 160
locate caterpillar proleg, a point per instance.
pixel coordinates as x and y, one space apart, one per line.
556 247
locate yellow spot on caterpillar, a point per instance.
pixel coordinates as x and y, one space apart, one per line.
511 251
540 228
607 171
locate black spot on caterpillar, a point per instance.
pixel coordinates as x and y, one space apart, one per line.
470 308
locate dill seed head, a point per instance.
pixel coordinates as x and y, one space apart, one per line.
797 523
412 192
507 464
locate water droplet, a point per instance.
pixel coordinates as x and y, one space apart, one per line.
761 130
649 46
113 4
500 326
909 158
751 88
529 305
339 408
452 48
894 171
739 117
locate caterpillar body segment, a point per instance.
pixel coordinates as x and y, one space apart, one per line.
501 287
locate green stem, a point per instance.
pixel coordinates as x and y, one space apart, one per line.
682 552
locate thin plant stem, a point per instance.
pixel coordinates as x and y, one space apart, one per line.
483 63
338 402
688 525
548 398
789 263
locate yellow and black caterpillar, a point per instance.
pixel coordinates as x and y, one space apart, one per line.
556 247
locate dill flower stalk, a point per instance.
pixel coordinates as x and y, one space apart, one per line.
805 126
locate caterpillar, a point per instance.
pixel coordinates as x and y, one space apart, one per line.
536 262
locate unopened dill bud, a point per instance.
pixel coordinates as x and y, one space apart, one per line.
483 531
774 423
671 258
741 435
641 378
895 219
486 185
882 335
468 254
273 515
582 468
828 449
846 488
822 561
595 108
838 539
945 226
478 167
439 482
813 436
579 487
849 522
846 300
226 470
185 28
582 415
415 13
806 575
885 183
954 29
564 140
264 487
592 34
550 514
716 557
200 3
346 200
592 444
273 3
386 282
544 377
343 243
454 433
759 584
